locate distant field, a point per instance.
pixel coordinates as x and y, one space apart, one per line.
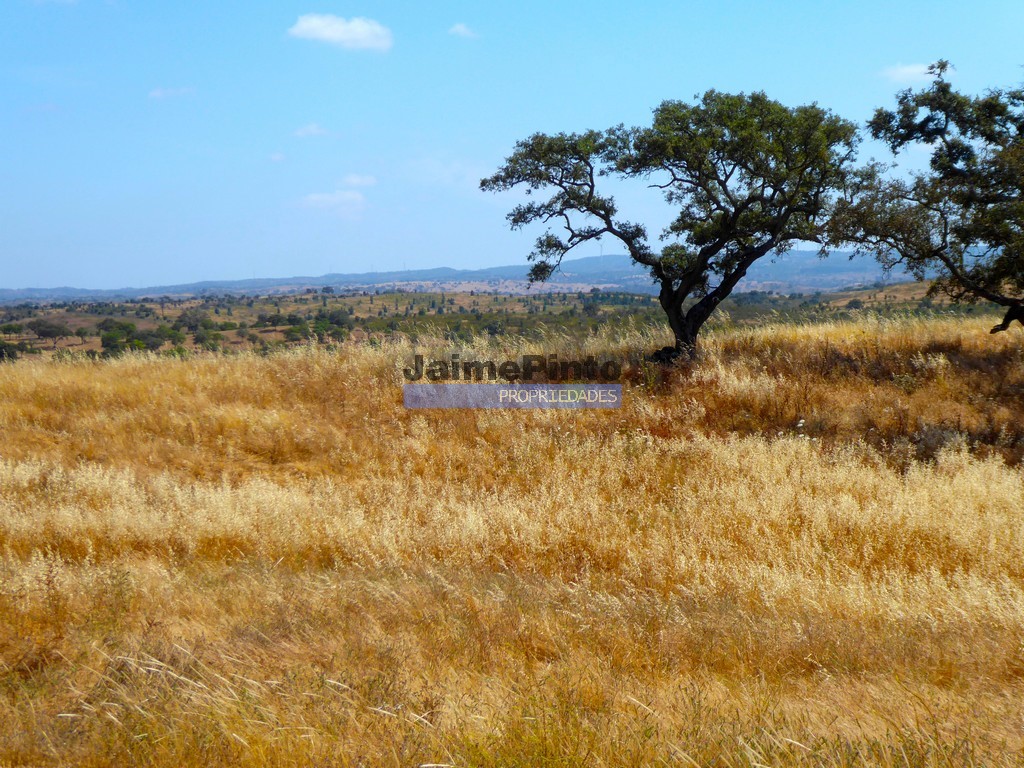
807 548
259 323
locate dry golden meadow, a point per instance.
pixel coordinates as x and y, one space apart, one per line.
805 549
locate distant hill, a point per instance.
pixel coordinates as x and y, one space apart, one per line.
797 271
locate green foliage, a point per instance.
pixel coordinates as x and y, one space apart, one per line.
191 319
119 327
207 339
171 334
46 328
112 340
297 332
961 220
117 337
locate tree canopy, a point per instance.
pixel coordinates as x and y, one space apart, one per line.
748 176
49 329
962 220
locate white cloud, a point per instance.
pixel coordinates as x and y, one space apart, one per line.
461 30
277 157
358 180
312 129
447 172
346 203
169 93
906 74
356 33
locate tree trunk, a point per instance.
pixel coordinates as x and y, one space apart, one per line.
686 325
1015 312
686 339
685 328
686 334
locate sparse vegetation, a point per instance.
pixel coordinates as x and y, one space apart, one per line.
805 548
263 323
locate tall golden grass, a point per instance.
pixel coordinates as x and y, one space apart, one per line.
805 548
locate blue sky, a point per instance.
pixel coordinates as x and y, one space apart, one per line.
149 143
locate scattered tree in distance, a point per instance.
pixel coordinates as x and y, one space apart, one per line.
45 328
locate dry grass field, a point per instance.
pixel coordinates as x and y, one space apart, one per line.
805 549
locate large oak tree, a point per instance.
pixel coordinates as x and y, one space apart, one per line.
748 176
